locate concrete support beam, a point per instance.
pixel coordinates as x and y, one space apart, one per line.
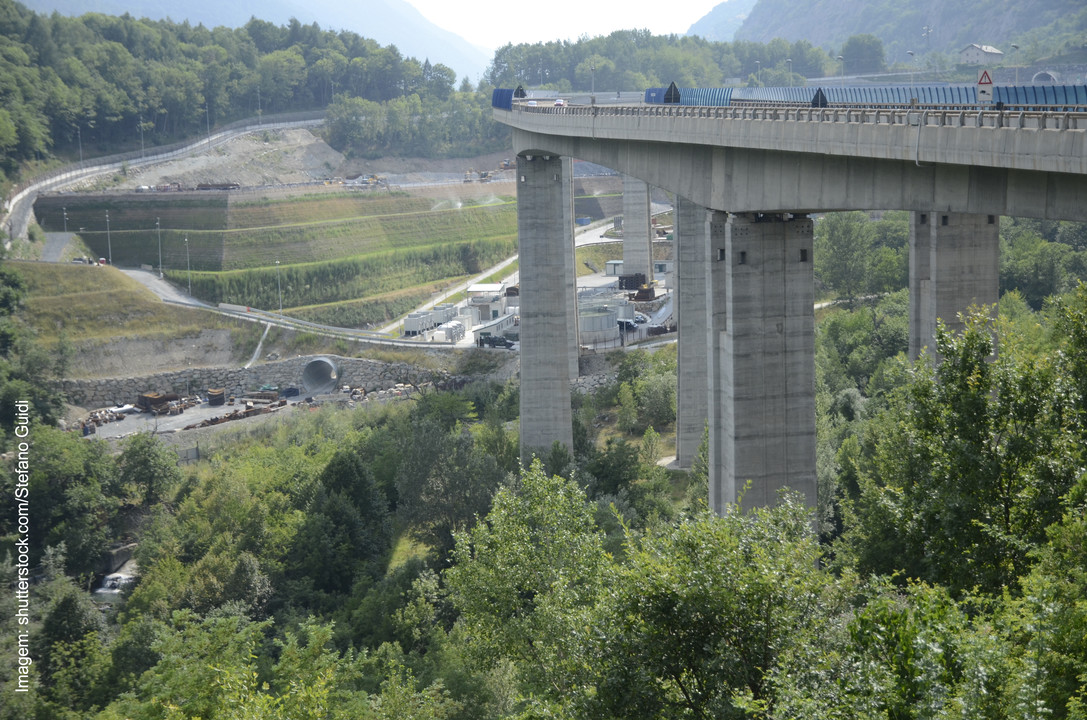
545 242
637 233
762 365
692 236
954 263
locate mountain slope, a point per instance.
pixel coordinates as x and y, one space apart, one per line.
723 21
389 22
918 25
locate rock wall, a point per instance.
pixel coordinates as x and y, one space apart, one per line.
356 372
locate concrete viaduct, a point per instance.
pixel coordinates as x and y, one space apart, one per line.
746 180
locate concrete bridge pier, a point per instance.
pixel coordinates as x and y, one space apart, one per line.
548 300
762 358
637 233
692 237
954 263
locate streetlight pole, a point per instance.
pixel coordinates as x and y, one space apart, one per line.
279 287
109 243
65 211
910 53
158 229
592 87
188 267
841 65
141 137
207 119
789 63
1016 49
79 134
758 72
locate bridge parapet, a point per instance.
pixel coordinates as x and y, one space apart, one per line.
1015 137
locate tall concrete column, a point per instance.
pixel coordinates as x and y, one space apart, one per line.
637 233
692 236
954 263
762 414
544 194
573 333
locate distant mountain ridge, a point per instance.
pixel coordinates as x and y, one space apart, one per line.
389 22
920 26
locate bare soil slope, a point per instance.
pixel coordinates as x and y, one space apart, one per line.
285 157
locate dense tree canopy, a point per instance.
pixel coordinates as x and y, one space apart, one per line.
95 84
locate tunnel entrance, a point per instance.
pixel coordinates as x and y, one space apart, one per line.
320 376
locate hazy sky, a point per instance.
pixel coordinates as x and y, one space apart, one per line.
493 23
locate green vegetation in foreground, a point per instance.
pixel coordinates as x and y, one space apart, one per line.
397 561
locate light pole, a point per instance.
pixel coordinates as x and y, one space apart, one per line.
841 72
188 267
65 211
79 134
910 53
789 63
207 119
758 72
592 80
279 287
109 243
141 137
158 229
1016 49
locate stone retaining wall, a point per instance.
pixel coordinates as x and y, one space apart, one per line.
356 372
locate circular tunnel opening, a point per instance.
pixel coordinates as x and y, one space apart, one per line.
319 376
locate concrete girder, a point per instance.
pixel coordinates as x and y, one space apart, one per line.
747 180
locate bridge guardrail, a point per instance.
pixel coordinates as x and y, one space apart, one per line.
1067 117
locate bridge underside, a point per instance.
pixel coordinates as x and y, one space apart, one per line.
762 181
745 286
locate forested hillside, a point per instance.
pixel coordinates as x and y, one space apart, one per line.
98 84
636 59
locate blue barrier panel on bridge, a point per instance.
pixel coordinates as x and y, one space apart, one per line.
655 96
793 95
502 98
901 95
1041 95
712 97
658 96
938 95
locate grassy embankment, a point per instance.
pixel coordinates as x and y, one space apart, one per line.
87 303
349 259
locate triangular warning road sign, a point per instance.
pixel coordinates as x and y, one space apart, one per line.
984 78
